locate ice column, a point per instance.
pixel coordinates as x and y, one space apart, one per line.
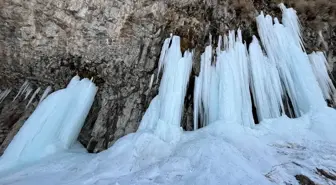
265 83
164 114
320 68
222 89
54 125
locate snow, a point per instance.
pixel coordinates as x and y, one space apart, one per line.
219 153
228 149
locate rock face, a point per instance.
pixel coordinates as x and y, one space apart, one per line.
118 43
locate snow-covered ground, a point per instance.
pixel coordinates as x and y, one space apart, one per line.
272 152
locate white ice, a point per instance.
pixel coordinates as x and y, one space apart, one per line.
265 84
320 67
283 47
165 112
229 149
54 125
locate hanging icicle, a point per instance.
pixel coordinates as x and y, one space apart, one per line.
320 68
21 90
283 47
45 93
4 94
265 84
33 96
163 117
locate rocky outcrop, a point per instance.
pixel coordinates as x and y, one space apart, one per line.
118 43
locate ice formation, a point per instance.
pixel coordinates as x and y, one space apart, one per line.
54 125
283 47
21 90
320 67
165 119
4 94
45 93
230 148
33 96
222 89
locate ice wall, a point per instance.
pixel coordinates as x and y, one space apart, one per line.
54 125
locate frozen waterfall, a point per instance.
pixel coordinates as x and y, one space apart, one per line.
275 76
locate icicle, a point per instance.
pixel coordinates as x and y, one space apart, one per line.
197 100
45 93
22 89
4 94
213 95
320 68
164 50
291 21
220 40
283 49
151 82
241 56
206 81
28 90
33 96
266 85
172 90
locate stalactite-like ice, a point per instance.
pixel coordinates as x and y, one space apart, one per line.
151 82
197 101
320 68
4 94
265 83
22 89
283 47
164 115
234 102
54 125
33 96
45 93
291 21
205 76
222 89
